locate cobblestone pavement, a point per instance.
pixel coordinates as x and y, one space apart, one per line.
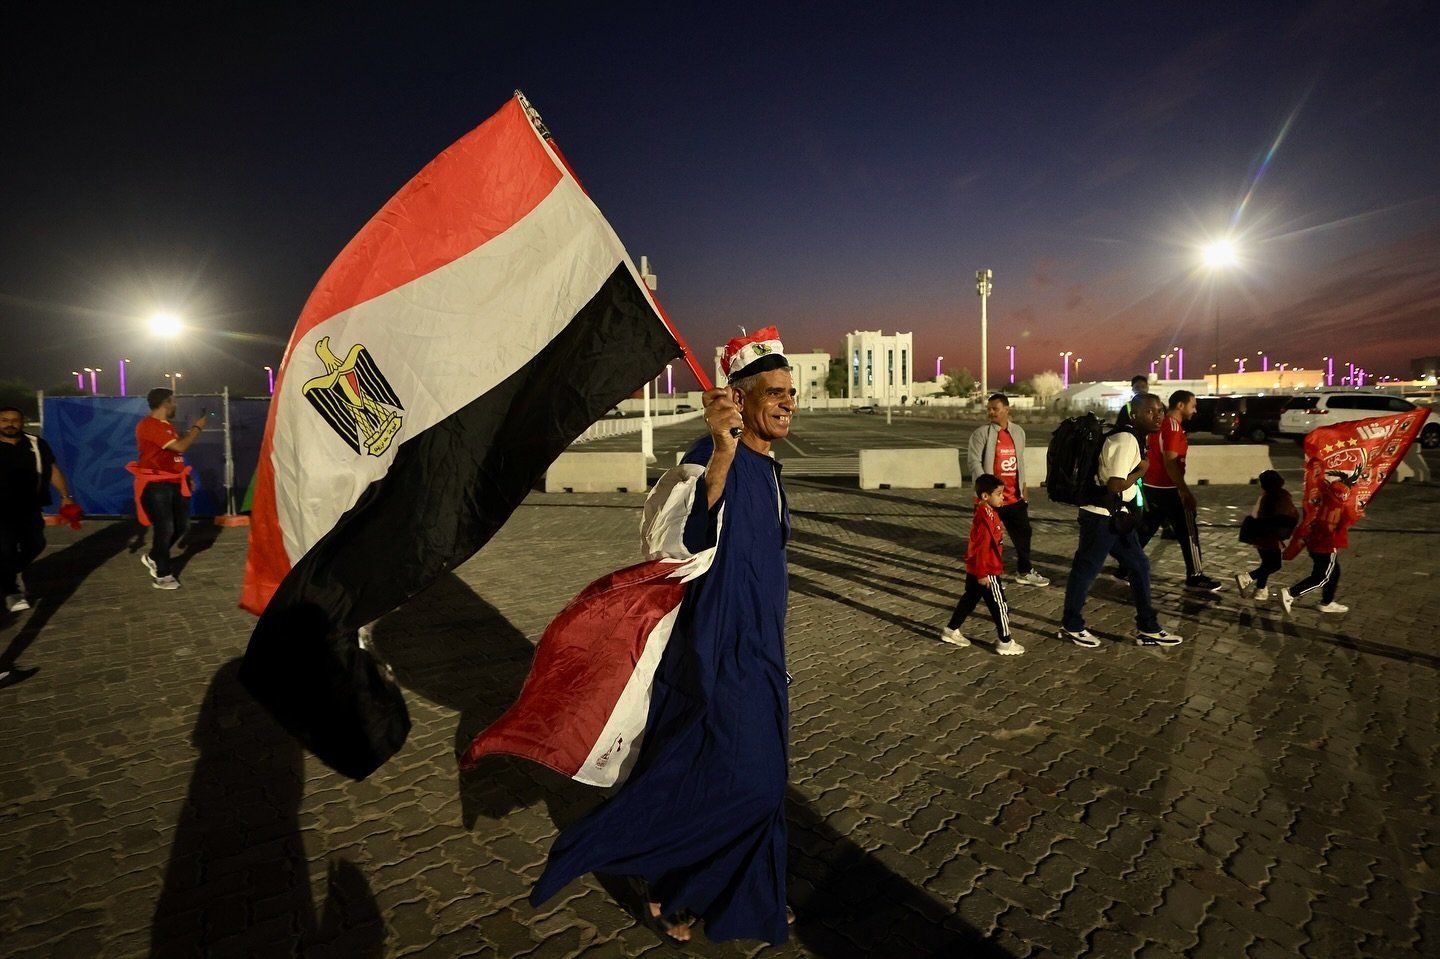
1266 789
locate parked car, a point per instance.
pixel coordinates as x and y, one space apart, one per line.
684 408
1204 419
1253 418
867 408
1306 411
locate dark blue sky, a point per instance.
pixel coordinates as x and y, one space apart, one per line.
822 166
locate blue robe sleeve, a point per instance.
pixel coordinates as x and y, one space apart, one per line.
700 526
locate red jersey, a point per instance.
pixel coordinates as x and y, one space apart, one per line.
151 435
983 551
1169 437
1006 467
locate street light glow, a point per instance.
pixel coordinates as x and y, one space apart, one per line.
1220 253
165 324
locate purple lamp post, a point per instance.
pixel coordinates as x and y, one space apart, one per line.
1012 364
1264 361
1179 362
79 379
670 379
1153 364
122 376
94 386
1066 357
1239 364
937 368
270 379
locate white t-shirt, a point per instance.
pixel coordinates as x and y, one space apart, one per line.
1118 458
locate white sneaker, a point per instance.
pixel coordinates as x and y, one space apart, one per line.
17 603
1244 581
1009 648
953 636
149 564
1333 607
1160 637
1286 599
1081 637
1032 578
166 582
1262 592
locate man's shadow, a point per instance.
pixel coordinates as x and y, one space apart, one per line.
54 577
238 877
456 650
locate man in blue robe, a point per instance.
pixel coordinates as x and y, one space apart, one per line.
701 819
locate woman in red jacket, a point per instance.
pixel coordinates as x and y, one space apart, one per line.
983 568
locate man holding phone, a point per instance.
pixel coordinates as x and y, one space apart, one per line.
162 483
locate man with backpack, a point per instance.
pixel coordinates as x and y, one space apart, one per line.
1109 503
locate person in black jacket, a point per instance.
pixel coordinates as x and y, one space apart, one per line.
1266 528
27 471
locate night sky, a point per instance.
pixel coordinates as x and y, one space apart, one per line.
825 167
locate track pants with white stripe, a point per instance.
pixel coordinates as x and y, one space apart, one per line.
992 595
1325 573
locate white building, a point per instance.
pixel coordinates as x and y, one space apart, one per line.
808 369
880 366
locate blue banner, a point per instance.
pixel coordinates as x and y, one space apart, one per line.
94 437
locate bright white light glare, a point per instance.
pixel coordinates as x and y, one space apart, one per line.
1220 253
165 324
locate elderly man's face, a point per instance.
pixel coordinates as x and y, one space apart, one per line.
11 423
768 406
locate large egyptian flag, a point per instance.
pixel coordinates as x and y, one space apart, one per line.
1346 466
476 325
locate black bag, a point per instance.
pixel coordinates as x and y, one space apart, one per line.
1073 459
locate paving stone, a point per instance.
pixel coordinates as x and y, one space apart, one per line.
1270 786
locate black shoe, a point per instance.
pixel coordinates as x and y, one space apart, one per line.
1203 584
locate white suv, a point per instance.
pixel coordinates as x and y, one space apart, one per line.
1306 411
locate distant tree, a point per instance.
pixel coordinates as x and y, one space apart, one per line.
1022 388
21 396
958 383
1047 385
836 380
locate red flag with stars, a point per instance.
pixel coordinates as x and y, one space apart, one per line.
1345 467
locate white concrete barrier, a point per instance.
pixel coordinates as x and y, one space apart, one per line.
596 473
1226 465
910 469
1035 466
1204 465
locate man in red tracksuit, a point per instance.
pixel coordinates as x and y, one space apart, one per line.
983 568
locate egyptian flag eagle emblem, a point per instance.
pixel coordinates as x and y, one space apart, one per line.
355 399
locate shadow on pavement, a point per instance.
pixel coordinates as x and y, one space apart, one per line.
456 650
197 539
847 903
238 878
54 577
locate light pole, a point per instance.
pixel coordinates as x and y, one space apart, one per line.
1078 361
1218 255
1166 358
1239 364
1012 364
270 379
174 379
79 379
94 388
122 376
1329 362
937 368
670 379
1179 362
1153 365
1264 361
1066 357
983 288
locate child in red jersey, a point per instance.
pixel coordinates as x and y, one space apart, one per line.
983 568
1324 538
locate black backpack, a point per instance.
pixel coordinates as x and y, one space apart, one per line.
1074 458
